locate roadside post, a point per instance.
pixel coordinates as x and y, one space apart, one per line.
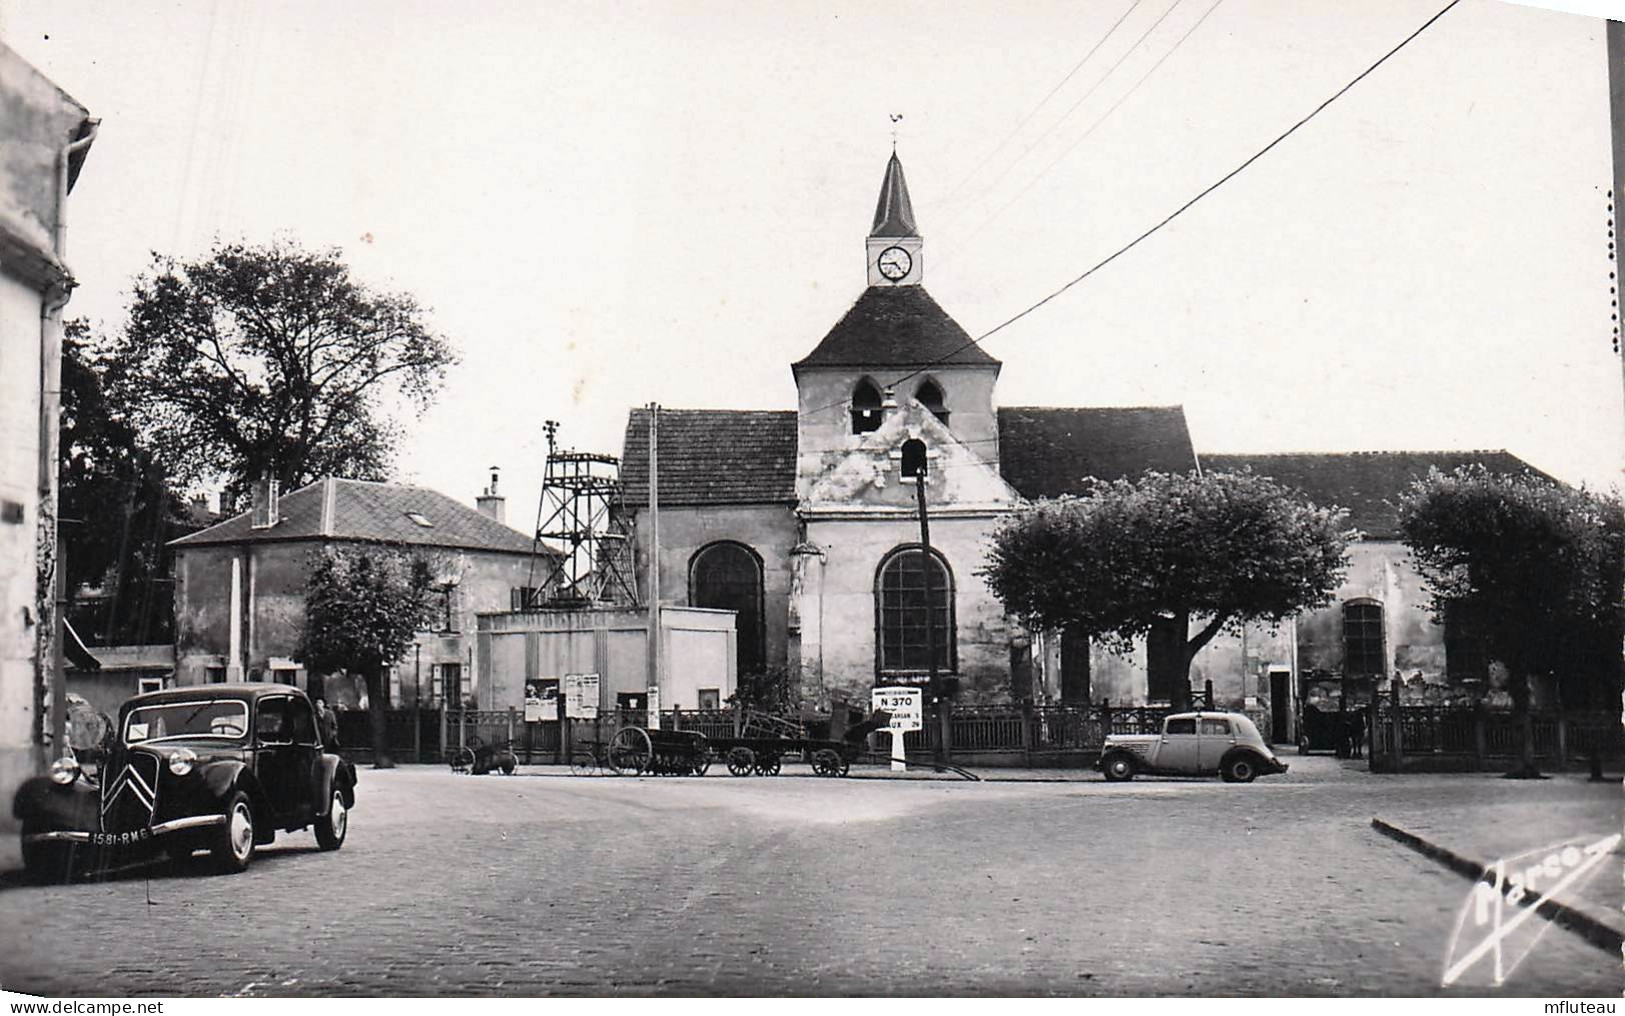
906 708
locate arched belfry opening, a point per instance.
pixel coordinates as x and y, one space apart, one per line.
866 413
913 458
929 395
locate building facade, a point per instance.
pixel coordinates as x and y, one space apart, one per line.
807 523
240 585
46 136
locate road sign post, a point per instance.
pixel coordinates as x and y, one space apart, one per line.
906 707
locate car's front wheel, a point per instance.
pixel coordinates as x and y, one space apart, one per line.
45 862
233 845
1240 769
335 825
1118 768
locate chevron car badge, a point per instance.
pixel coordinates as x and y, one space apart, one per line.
142 790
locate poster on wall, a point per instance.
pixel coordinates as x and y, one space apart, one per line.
581 696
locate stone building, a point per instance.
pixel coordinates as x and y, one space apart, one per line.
1377 626
806 522
240 585
46 136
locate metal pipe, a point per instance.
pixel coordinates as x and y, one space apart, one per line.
50 413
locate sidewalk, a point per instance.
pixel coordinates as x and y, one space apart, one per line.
1517 821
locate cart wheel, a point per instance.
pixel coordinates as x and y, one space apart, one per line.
826 762
1303 745
583 763
630 752
767 765
702 762
741 761
462 760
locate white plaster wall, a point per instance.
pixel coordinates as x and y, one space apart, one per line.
19 484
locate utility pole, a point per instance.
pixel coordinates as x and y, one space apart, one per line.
928 565
1615 32
654 567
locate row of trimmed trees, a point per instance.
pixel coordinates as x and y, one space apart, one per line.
1541 563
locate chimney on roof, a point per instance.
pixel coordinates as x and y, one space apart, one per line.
265 503
491 504
200 506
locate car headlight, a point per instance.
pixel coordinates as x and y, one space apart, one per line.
64 771
182 760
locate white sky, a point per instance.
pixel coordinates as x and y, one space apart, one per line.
608 204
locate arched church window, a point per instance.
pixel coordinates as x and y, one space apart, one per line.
865 407
728 576
913 458
929 395
914 596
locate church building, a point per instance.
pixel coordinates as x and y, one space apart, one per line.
806 521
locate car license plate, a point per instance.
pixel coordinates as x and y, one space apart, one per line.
120 839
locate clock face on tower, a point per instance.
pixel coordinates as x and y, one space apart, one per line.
894 263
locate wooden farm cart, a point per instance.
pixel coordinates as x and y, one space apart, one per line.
763 756
635 751
639 750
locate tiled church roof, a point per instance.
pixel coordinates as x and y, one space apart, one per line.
340 509
896 326
717 456
713 456
1368 484
1048 451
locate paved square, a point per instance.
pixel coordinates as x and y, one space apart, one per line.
546 884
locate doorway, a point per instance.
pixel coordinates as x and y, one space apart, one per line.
1280 706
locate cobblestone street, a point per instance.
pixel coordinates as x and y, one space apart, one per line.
546 884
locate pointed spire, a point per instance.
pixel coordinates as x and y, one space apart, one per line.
894 214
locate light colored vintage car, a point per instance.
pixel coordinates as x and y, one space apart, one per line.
1192 744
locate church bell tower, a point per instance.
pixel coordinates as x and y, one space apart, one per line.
893 247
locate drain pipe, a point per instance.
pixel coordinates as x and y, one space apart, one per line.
56 298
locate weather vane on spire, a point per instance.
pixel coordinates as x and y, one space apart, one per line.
895 117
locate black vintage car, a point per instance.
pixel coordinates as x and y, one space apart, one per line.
216 767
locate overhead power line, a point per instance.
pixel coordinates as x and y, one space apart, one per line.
1226 178
1092 127
1040 105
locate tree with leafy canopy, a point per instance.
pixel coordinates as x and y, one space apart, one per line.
271 360
1132 556
363 606
1542 565
124 505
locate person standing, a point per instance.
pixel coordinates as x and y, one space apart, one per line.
328 724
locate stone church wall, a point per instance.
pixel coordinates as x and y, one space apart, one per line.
846 615
769 530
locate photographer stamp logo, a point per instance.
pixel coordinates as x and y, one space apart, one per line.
1501 921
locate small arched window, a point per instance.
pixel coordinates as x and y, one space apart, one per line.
929 395
1363 639
728 576
865 407
914 597
913 458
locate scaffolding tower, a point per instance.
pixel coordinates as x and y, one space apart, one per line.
580 517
